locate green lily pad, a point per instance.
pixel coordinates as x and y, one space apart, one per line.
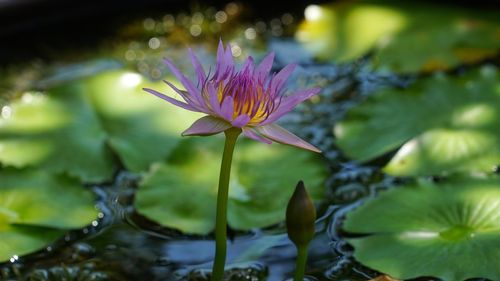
41 199
59 132
403 37
440 47
72 127
141 128
20 240
449 230
36 207
443 124
182 193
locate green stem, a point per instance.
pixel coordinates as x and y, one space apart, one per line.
300 267
222 196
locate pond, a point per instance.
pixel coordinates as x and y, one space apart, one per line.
97 183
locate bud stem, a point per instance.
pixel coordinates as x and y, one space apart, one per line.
222 197
300 266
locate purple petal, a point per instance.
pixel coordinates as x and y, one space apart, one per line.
225 63
281 77
281 135
227 108
185 95
255 136
241 121
264 67
197 66
248 66
171 100
289 103
186 82
206 126
213 99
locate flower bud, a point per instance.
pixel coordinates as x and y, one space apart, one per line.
300 216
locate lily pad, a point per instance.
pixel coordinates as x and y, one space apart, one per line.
17 240
449 230
59 132
182 193
141 128
72 127
403 37
35 208
443 124
440 47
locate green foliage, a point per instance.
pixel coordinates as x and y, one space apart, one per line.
404 37
76 127
262 181
141 128
443 124
35 208
449 230
59 132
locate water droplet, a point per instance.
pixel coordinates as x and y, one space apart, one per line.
6 112
221 17
236 50
197 18
312 12
195 30
149 24
250 33
154 43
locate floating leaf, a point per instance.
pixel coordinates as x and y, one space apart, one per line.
21 240
261 184
38 198
59 132
34 205
450 231
440 47
403 37
444 124
141 128
342 32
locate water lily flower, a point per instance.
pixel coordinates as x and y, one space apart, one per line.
247 101
249 98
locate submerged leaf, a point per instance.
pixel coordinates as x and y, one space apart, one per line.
443 124
262 180
450 231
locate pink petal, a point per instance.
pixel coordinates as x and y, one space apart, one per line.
281 135
241 121
248 66
185 95
171 100
227 108
281 77
289 103
213 99
255 136
193 91
197 66
225 63
206 126
264 67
